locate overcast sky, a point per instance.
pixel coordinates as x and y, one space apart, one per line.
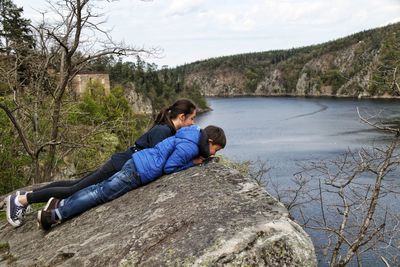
190 30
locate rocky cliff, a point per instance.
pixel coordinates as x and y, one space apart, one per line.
361 65
205 216
138 102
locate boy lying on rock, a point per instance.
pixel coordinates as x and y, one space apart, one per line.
190 146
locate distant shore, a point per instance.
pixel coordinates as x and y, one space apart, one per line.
384 97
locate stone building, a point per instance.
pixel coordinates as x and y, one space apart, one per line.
82 79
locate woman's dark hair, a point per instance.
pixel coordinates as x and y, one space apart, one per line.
167 114
216 134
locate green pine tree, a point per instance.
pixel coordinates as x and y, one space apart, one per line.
14 29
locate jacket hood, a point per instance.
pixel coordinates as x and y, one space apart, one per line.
196 135
191 133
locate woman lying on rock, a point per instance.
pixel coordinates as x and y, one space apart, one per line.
190 146
167 122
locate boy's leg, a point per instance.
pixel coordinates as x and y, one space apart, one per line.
114 187
61 192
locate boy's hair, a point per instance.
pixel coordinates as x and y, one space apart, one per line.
216 134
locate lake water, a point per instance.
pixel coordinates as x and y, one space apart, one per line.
290 132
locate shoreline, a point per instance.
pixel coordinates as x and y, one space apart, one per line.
385 98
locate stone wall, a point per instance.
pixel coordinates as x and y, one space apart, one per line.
81 80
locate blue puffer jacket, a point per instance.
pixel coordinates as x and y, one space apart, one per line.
171 155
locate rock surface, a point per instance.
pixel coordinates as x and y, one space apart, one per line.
139 103
204 216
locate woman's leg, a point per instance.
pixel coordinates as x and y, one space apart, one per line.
62 183
61 192
112 188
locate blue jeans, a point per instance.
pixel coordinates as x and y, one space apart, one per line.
117 185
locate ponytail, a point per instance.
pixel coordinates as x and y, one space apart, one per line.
181 106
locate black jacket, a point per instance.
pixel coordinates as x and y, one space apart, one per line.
149 139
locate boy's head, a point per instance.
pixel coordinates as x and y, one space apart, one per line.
216 138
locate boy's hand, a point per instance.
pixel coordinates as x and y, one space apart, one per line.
211 159
198 160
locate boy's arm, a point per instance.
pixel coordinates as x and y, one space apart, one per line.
181 158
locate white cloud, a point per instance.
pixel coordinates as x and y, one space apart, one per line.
196 29
230 21
392 21
183 7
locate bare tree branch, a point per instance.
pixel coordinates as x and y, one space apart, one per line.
380 127
18 128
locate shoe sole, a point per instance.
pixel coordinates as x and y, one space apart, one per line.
46 208
38 220
14 224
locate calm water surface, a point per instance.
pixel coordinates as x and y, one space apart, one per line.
289 132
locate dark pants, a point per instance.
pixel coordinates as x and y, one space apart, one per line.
64 189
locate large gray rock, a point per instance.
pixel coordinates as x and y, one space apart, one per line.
138 102
204 216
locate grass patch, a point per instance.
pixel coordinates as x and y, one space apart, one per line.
38 206
4 247
256 170
3 217
5 253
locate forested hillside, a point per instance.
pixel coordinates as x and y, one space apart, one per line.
363 64
161 87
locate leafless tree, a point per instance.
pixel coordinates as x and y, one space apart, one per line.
351 200
257 170
348 196
69 36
